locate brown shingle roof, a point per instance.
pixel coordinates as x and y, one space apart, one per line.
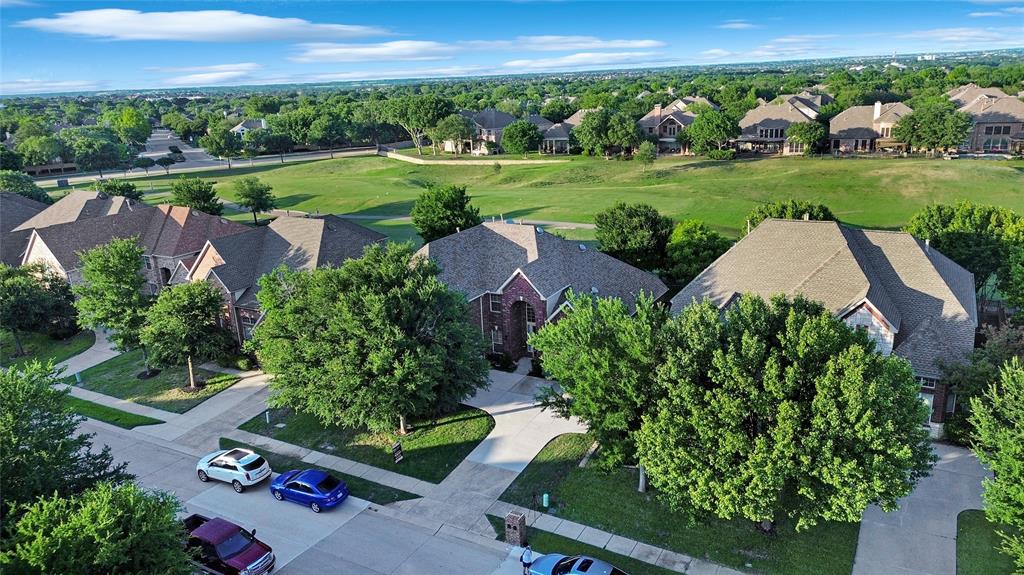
79 205
15 209
963 95
859 121
481 259
927 298
987 109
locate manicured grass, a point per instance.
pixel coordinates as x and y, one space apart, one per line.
117 377
108 414
357 486
609 501
977 546
543 542
878 193
43 348
432 449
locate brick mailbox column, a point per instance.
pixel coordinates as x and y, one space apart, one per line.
515 529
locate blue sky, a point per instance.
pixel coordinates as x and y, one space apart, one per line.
66 45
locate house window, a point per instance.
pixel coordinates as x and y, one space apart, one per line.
248 322
770 132
835 144
927 382
650 130
531 315
796 147
496 341
886 131
951 403
495 302
149 262
929 400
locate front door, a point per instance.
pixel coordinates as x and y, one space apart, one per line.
531 326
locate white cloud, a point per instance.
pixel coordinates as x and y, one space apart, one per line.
209 75
554 43
737 25
1008 11
396 74
970 36
196 26
1014 10
16 3
715 54
384 51
35 86
580 60
799 38
984 14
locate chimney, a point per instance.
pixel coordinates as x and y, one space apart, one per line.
657 110
878 110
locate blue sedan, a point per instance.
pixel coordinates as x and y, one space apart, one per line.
312 487
555 564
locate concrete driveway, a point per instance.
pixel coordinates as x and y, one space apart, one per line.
920 537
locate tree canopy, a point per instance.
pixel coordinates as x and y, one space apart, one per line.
182 328
634 233
197 194
789 210
711 130
371 343
115 187
443 210
417 114
811 134
34 299
936 124
254 195
692 247
22 184
520 137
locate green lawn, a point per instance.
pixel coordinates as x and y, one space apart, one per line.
544 542
108 414
357 486
432 449
881 193
977 546
117 377
609 501
41 347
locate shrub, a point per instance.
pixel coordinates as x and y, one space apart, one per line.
721 154
958 429
502 361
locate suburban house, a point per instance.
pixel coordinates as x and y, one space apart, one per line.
665 123
866 128
15 210
246 125
763 129
235 263
998 118
489 123
516 278
554 137
168 234
912 300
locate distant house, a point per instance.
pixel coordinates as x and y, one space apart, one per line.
236 262
998 118
167 234
866 128
666 123
912 300
15 210
517 278
554 137
490 124
247 125
763 129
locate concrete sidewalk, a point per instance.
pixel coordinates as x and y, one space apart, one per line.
101 350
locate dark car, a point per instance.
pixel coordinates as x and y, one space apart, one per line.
223 548
314 488
556 564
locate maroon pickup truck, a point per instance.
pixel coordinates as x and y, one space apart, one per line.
223 548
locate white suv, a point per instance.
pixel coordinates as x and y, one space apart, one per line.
239 467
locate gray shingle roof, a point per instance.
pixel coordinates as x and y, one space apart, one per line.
927 298
770 115
492 119
483 258
541 122
859 121
559 131
15 209
79 205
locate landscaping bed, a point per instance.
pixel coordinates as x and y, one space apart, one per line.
543 542
108 414
357 486
41 347
118 377
609 501
432 449
977 546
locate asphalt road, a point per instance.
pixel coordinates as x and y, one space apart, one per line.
355 538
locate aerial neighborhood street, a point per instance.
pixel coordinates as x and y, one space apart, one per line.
594 288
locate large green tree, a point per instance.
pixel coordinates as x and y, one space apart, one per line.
40 150
21 184
646 153
372 343
10 160
329 131
711 130
221 142
520 137
443 210
41 451
108 529
623 132
254 195
182 326
937 124
592 132
197 194
692 247
116 187
110 294
604 359
998 418
780 409
130 125
634 233
417 114
789 210
454 127
811 134
34 299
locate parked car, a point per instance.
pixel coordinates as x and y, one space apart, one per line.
174 149
312 487
556 564
239 467
177 157
223 548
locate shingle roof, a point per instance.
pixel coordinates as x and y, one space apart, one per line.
927 298
162 230
541 122
14 210
250 125
79 205
492 119
298 243
963 95
481 259
985 109
559 131
770 115
575 119
859 121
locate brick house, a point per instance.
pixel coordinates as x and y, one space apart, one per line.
516 279
666 123
998 119
912 300
763 129
490 125
866 128
235 263
168 235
